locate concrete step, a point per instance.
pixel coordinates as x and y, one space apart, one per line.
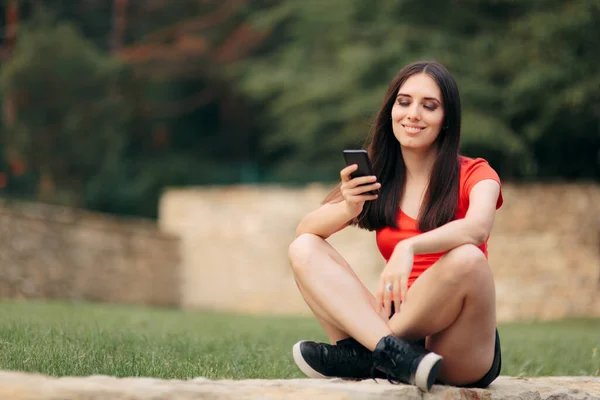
22 386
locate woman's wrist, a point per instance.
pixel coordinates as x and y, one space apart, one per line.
348 213
405 246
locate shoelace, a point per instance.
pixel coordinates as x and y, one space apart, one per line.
396 347
346 353
387 376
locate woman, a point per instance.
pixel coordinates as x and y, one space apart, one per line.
433 316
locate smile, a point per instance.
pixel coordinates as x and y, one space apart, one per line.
412 129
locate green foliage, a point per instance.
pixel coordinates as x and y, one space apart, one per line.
70 118
191 108
552 95
527 76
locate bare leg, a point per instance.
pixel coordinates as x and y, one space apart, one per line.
334 333
453 305
334 292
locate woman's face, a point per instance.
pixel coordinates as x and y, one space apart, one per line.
418 113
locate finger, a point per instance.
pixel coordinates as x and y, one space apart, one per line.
396 291
362 198
371 197
380 294
382 314
362 180
404 287
387 301
345 173
387 306
364 188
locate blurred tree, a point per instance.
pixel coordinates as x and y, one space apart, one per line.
68 119
238 91
323 73
190 126
119 24
547 70
11 21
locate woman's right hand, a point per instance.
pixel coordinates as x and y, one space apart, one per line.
354 194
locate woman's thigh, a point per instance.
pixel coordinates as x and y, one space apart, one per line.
467 343
320 247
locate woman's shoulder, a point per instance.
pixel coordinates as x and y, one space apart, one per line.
471 165
474 170
469 162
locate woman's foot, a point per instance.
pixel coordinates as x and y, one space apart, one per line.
348 359
408 363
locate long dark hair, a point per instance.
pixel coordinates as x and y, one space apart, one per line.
441 198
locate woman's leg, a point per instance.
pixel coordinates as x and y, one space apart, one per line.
453 305
341 303
329 326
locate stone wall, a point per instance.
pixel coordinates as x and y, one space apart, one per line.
544 251
225 249
61 253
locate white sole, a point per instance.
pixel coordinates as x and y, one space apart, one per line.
303 365
428 363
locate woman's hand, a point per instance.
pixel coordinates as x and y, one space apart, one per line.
394 279
354 194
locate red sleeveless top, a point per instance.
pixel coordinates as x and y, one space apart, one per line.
472 171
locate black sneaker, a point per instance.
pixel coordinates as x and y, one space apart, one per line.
406 362
347 359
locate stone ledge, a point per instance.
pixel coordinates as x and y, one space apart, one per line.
21 386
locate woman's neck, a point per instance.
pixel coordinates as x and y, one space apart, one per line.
419 164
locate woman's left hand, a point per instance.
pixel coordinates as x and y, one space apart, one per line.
393 281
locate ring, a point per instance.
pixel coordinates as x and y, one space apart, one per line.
388 287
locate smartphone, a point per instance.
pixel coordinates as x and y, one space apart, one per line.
361 158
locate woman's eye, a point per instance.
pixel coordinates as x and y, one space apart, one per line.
430 107
404 103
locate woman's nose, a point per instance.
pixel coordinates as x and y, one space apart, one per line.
413 113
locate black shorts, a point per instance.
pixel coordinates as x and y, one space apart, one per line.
494 370
492 373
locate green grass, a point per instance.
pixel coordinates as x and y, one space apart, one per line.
59 338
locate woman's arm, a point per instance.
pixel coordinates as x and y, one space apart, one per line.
332 216
325 220
473 229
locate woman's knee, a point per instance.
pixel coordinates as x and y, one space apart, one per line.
302 251
464 263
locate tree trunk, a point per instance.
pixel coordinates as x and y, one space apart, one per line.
10 35
12 21
46 186
119 24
